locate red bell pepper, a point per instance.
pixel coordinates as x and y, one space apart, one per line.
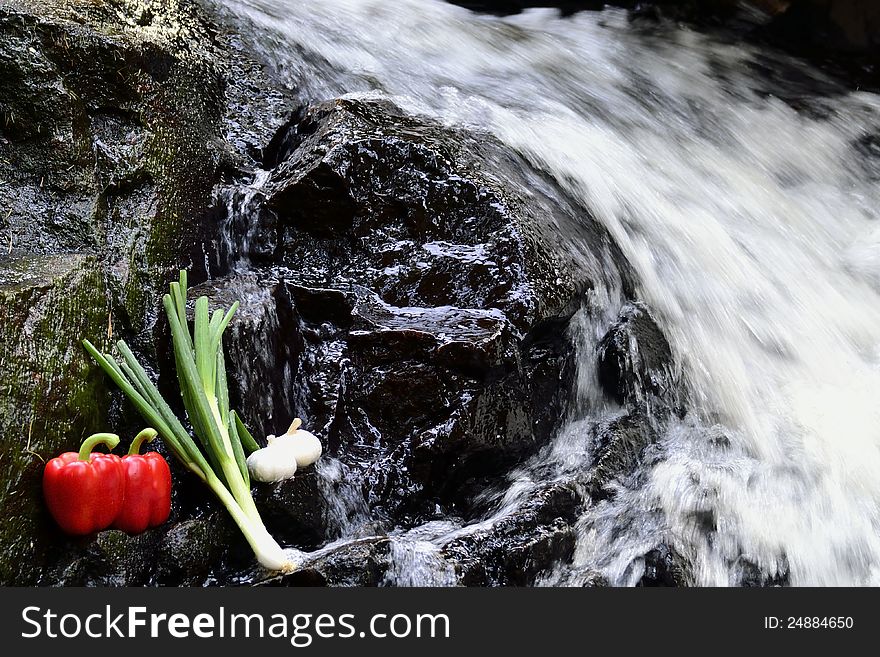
147 488
84 490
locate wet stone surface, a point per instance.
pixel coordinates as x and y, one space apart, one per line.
516 549
635 360
423 316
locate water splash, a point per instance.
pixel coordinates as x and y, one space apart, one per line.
416 558
347 512
244 232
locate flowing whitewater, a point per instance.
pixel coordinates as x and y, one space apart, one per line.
742 187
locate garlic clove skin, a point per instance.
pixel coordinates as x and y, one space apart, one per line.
282 456
306 447
276 462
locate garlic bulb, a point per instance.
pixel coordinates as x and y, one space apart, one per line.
280 459
305 445
272 463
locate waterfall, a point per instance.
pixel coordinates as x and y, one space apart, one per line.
747 208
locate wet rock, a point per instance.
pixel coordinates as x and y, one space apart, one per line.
198 551
51 397
415 400
441 389
663 566
751 575
295 510
619 447
415 310
355 563
249 228
372 196
111 558
261 345
517 549
634 358
427 300
192 552
95 157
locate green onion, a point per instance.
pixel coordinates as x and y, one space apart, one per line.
219 458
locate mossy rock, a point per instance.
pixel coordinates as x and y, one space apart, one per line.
112 117
51 395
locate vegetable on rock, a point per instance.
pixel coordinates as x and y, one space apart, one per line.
84 490
218 460
147 500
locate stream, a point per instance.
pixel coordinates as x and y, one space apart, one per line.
742 187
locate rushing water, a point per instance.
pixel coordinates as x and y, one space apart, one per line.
748 212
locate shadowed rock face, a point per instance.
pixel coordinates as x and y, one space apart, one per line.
357 563
47 390
422 305
851 26
635 360
93 102
367 194
663 566
518 548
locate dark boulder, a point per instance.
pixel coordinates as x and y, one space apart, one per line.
413 311
752 576
296 511
370 195
663 567
619 447
111 558
198 551
635 360
422 302
518 548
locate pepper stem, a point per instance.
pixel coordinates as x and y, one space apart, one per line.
146 435
294 425
109 439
